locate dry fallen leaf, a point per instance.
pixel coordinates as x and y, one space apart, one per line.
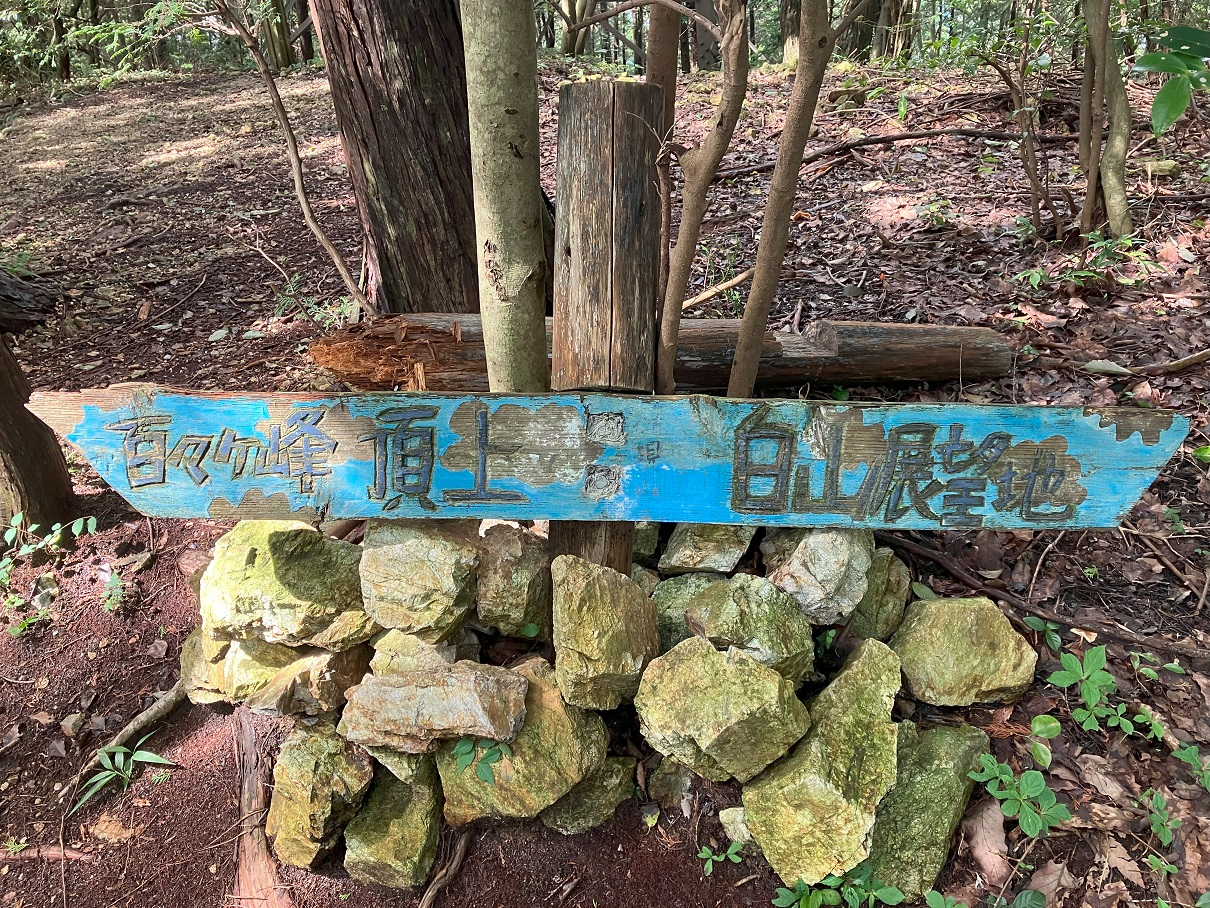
1117 857
1108 896
983 827
109 828
1097 772
1050 879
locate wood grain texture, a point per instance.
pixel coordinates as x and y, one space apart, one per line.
438 352
615 457
606 236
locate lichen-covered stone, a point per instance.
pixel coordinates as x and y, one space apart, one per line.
412 711
419 576
671 598
319 781
880 611
313 683
812 811
514 582
402 766
754 616
558 747
735 824
202 667
723 715
283 582
647 580
956 652
606 630
397 651
915 822
705 547
594 800
823 569
393 839
645 542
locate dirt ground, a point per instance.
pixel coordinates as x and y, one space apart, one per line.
164 212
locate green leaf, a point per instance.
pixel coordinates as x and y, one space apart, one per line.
1161 63
484 772
1094 660
1030 898
77 526
1203 901
784 898
1054 641
705 853
1030 821
1033 623
1194 41
1202 453
505 749
1041 754
889 895
464 746
1046 727
1032 783
923 592
1170 103
146 756
95 784
1175 667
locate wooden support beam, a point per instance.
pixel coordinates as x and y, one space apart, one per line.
440 352
607 255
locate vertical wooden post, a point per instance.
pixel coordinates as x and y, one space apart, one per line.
607 228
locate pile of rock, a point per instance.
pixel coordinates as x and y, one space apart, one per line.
376 650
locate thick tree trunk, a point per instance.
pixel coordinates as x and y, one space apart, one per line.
306 48
399 89
33 473
790 10
502 91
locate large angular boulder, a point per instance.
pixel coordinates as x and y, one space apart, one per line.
283 582
647 580
202 659
318 784
645 542
812 812
670 783
419 576
313 683
397 651
412 711
594 800
393 839
606 630
514 582
403 767
956 652
705 547
723 715
915 822
754 616
880 611
824 570
557 748
672 597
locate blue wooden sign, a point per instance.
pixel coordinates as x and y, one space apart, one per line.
611 457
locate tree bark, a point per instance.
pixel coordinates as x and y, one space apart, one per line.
399 90
662 36
33 472
790 10
502 93
818 40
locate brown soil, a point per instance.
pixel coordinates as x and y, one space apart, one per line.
165 213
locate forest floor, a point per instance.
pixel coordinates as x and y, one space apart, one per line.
164 212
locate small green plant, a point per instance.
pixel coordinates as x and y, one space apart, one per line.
903 108
734 854
1160 865
1191 757
1043 728
484 754
115 592
1163 824
854 889
12 846
825 642
18 628
160 776
1202 453
1173 516
1089 676
1142 665
119 764
1092 572
935 899
1026 898
1027 798
1048 630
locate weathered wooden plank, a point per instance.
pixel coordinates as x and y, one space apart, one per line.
438 352
616 457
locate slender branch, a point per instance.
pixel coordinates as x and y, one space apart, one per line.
300 189
839 147
635 4
707 295
852 16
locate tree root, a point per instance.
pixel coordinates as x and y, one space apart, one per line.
446 874
169 701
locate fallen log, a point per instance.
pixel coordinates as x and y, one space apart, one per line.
444 352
